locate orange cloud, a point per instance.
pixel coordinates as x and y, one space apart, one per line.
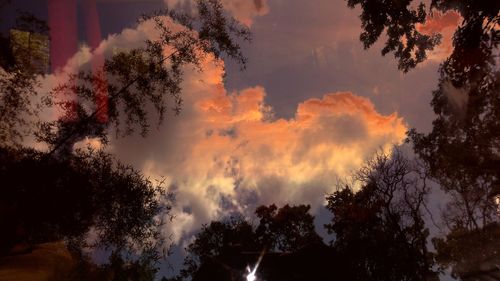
444 24
332 135
226 151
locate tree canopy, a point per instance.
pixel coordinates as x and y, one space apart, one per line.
473 42
380 230
286 229
67 199
462 151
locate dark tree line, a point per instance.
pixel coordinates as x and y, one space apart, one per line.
285 229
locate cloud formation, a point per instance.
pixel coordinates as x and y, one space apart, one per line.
226 152
444 24
242 10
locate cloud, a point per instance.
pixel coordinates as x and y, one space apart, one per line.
242 10
246 10
263 162
226 152
444 24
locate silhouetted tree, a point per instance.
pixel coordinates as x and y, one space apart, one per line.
472 255
46 199
219 239
132 79
463 148
462 152
399 21
286 229
473 40
120 270
224 243
379 230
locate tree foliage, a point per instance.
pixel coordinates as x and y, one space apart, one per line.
286 229
472 255
220 239
399 20
120 270
46 199
379 229
463 148
462 152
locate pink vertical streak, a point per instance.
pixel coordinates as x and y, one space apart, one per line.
93 32
63 35
63 32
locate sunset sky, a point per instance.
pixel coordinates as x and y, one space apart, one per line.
311 106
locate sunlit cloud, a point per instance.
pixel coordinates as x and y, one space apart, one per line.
444 24
226 152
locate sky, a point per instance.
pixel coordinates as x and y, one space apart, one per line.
310 108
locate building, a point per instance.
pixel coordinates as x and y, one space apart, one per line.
30 50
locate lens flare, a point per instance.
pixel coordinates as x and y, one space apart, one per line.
251 272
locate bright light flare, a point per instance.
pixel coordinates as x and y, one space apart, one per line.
251 272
